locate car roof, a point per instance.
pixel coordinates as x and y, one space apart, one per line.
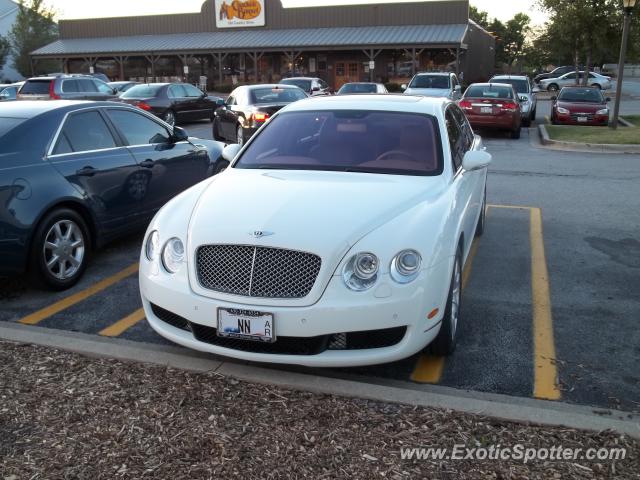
33 108
510 77
300 78
391 103
271 85
439 74
576 87
361 83
491 84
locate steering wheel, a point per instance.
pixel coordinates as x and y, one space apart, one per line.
395 154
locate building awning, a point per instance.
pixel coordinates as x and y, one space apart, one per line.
256 40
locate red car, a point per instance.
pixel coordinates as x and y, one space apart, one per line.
580 106
492 105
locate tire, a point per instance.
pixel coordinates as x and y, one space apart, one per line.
553 88
216 131
169 117
515 134
445 342
67 230
483 215
526 122
240 135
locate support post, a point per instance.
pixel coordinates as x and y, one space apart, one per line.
152 59
623 52
219 59
255 56
371 55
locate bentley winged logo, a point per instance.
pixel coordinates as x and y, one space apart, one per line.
261 233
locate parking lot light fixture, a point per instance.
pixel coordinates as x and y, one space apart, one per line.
628 6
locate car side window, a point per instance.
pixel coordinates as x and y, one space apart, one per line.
465 128
192 91
177 91
456 139
70 86
103 87
83 132
87 85
231 100
138 129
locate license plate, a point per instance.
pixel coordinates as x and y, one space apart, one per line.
246 325
582 119
486 109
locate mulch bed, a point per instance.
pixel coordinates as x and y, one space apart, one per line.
63 415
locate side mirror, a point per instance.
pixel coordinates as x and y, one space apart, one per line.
315 89
608 99
476 160
523 99
115 91
403 87
554 98
220 102
458 88
230 151
179 135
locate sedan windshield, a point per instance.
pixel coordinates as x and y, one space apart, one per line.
348 141
520 86
261 96
430 81
489 91
142 91
303 84
358 88
581 95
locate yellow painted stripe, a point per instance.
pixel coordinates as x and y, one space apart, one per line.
429 369
545 372
122 325
515 207
67 302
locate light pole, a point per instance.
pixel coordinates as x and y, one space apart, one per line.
628 9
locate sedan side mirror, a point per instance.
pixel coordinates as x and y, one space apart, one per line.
608 99
230 151
179 135
315 89
458 88
220 102
476 160
403 87
554 98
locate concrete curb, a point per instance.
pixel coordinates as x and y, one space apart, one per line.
523 410
584 147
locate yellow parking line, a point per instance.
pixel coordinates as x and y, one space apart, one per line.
429 369
65 303
122 325
545 373
514 207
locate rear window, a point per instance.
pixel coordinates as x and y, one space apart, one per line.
430 81
142 91
358 88
9 123
36 87
520 86
276 95
303 84
492 91
348 141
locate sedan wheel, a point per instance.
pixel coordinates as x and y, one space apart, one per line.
240 136
553 88
169 117
445 342
60 249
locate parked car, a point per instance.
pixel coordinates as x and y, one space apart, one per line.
343 243
493 106
76 175
434 85
529 100
122 87
249 107
9 92
580 106
555 73
66 87
312 86
569 79
362 87
172 102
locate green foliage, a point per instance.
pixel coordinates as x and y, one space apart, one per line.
5 48
479 16
34 28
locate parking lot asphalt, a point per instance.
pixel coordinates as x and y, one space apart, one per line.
550 291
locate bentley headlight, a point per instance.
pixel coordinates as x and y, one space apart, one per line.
152 247
405 266
361 271
173 255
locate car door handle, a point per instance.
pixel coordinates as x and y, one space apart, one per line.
86 172
148 163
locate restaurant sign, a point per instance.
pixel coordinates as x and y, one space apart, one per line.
240 13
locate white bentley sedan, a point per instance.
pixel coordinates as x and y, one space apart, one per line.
336 237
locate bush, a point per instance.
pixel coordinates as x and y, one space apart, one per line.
393 87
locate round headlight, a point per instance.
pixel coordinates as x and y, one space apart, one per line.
152 246
361 271
173 255
405 266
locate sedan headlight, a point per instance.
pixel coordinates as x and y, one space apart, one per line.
152 247
405 266
604 111
173 255
361 271
563 111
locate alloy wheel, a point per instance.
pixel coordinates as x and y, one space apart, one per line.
64 249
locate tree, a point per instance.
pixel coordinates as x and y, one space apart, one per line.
515 34
34 28
479 16
5 48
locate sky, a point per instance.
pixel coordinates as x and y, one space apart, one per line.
68 9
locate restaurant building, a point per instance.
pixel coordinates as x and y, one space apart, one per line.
241 41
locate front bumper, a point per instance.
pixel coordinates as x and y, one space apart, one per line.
339 311
568 119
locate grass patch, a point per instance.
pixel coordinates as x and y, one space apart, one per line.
602 135
635 119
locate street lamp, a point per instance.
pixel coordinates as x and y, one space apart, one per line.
628 9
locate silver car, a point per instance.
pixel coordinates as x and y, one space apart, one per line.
523 87
434 85
569 80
